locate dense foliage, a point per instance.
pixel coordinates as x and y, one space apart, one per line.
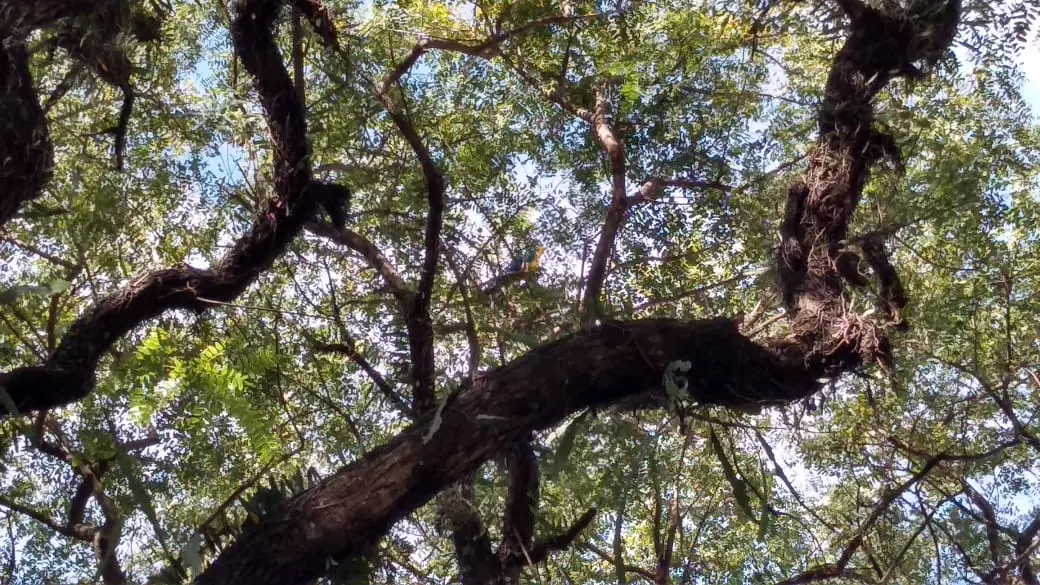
192 337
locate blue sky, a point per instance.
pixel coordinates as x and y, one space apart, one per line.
1031 67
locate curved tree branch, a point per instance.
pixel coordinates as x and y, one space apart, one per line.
592 368
605 364
375 258
68 374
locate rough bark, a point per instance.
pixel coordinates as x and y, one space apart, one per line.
593 368
68 374
613 363
26 152
26 15
596 367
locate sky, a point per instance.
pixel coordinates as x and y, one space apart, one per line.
1030 60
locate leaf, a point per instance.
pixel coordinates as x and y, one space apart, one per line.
528 340
563 450
10 295
765 523
140 495
58 286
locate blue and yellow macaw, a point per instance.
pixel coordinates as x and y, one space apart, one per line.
521 267
527 261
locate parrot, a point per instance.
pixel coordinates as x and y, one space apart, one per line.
526 261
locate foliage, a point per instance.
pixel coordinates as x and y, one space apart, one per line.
309 367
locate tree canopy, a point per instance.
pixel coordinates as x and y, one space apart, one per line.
518 291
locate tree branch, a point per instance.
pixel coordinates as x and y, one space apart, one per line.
616 211
375 258
355 356
880 509
485 50
478 565
420 326
68 374
989 518
563 540
521 505
26 152
79 532
608 558
500 408
1024 546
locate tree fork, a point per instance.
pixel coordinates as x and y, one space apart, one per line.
621 361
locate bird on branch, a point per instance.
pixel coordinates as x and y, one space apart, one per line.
527 261
522 265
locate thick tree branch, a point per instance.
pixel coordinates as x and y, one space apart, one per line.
26 152
521 508
318 16
820 207
68 374
23 16
591 368
478 565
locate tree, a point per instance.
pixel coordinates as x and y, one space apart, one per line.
201 407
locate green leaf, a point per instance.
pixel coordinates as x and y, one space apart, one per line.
128 466
10 295
566 444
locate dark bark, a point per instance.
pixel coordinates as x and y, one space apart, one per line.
68 374
616 211
23 16
419 323
593 368
819 209
478 565
611 363
521 508
26 152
